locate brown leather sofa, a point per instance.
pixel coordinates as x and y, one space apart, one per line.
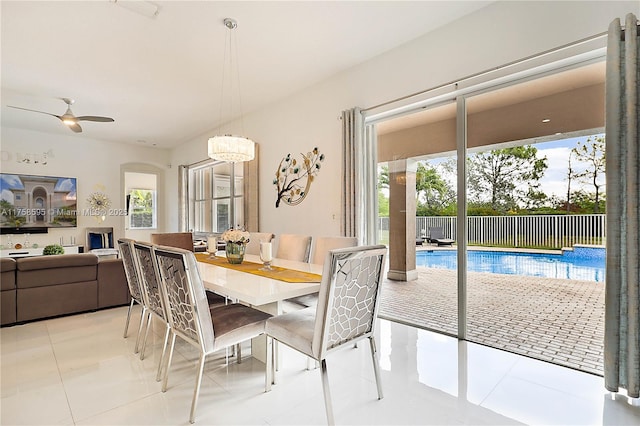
8 291
49 286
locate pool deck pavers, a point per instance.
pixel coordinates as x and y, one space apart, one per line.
555 320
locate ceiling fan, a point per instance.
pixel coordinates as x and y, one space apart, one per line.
68 118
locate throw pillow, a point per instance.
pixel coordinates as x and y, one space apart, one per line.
100 240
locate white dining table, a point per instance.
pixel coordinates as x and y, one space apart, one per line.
263 293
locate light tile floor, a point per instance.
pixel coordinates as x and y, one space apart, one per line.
79 370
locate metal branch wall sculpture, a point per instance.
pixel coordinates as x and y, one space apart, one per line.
293 179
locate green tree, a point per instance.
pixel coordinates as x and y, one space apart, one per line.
500 174
535 199
433 193
383 205
584 202
481 209
383 177
383 183
141 208
592 152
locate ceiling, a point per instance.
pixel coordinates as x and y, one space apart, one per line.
560 82
160 77
564 104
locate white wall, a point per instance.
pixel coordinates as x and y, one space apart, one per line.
498 34
95 164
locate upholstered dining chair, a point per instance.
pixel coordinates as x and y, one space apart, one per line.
190 318
255 238
347 309
294 247
183 240
125 246
150 279
322 246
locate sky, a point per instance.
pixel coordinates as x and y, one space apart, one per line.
554 181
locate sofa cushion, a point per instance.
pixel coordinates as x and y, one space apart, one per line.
56 261
50 301
56 269
8 271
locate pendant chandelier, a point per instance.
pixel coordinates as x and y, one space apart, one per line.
228 147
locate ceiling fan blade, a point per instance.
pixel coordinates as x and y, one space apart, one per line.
75 127
94 118
33 110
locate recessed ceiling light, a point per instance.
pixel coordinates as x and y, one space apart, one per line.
546 120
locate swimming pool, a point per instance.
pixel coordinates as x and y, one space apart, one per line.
583 263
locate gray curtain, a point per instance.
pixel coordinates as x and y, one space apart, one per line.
351 122
183 198
359 176
622 295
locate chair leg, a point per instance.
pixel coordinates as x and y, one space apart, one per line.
268 365
327 394
168 363
142 316
126 324
164 353
196 391
146 336
376 367
312 364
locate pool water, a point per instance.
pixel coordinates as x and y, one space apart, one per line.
579 264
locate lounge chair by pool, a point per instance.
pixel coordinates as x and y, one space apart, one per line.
436 235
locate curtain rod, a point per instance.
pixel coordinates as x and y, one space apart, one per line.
478 74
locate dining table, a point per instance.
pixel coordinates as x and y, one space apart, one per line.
250 284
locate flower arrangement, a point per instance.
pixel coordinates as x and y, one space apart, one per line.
237 236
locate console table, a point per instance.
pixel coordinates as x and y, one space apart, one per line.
28 252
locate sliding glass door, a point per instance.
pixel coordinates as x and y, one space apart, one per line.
508 196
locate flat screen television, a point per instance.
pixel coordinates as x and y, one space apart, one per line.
33 204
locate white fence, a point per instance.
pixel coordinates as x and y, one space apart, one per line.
550 231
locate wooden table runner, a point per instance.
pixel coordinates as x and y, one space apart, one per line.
277 273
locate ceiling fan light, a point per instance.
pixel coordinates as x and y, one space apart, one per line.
69 121
230 148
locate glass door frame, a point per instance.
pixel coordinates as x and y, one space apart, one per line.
567 57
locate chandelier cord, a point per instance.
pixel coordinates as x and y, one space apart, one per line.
234 43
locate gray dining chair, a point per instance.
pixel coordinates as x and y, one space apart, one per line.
149 275
184 240
136 291
190 318
150 280
346 313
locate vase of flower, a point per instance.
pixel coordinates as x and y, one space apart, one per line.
235 252
236 241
